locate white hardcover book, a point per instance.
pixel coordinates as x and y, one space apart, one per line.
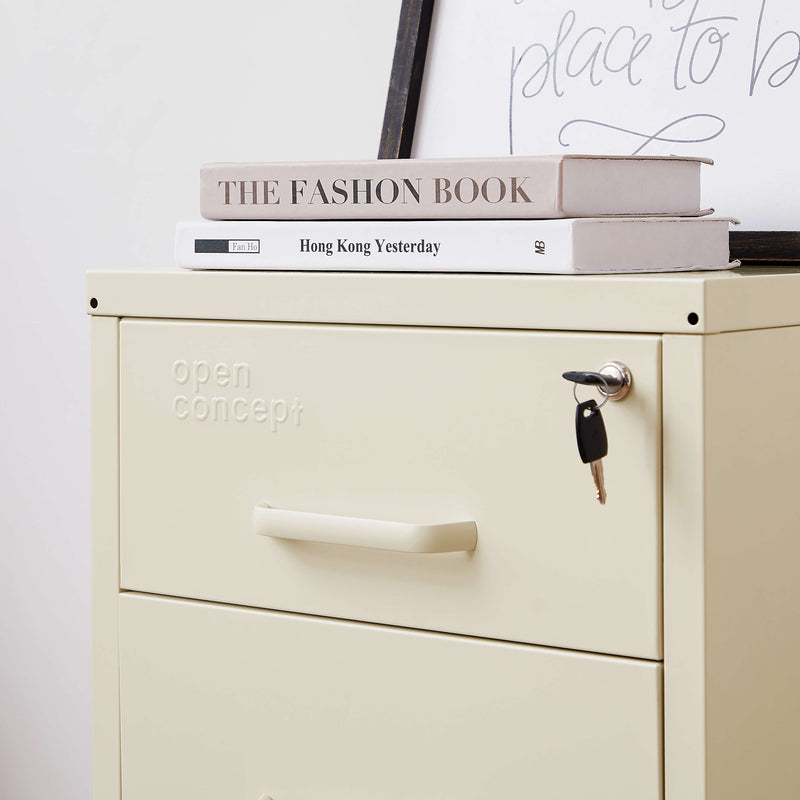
510 187
591 245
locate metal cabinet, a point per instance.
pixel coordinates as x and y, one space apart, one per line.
464 618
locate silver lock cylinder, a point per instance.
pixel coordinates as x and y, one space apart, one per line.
618 380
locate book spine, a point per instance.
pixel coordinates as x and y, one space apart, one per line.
388 189
501 246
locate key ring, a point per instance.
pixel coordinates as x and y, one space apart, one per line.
590 379
606 391
613 381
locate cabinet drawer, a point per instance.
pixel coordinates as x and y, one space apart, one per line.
224 702
405 425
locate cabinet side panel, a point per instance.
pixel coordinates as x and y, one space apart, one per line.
684 554
752 553
105 558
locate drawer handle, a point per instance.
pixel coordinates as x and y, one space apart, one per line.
445 537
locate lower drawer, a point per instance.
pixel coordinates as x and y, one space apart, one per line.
221 702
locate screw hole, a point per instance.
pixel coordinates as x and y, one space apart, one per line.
93 302
693 319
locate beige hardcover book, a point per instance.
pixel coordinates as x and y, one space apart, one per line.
531 187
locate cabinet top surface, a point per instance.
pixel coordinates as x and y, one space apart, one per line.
690 302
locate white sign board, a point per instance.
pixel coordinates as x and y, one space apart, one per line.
715 78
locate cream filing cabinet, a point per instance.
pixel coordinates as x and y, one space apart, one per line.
345 549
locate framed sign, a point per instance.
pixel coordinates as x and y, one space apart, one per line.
715 78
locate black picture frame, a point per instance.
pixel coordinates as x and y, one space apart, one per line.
773 248
400 116
405 83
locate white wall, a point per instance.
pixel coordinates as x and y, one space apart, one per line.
106 112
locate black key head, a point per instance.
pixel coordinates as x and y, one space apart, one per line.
586 378
591 432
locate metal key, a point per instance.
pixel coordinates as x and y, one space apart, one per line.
592 442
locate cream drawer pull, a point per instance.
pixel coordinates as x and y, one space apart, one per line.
445 537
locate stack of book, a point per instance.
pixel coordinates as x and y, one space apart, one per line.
536 214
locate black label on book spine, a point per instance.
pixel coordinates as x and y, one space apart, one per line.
227 246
